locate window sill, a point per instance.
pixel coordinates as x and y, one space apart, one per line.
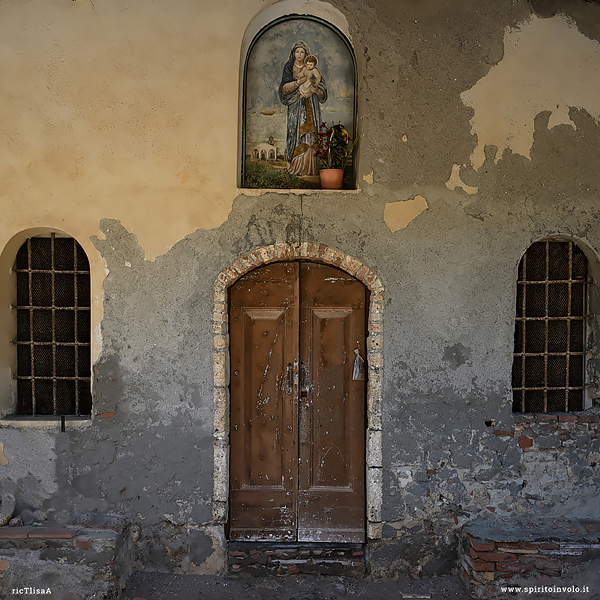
295 192
44 422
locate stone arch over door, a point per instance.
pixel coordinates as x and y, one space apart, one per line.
351 265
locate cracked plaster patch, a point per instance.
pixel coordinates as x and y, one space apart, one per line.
548 65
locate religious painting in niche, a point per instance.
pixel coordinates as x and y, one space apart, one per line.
299 79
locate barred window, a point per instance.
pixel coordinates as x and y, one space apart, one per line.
53 328
550 332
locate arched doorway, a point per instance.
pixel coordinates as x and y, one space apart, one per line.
298 404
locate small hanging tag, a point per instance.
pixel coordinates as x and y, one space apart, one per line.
359 367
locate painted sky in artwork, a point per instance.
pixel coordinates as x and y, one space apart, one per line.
265 115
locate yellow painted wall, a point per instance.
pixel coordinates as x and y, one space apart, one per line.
120 110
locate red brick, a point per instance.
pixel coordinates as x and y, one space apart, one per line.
14 533
519 545
482 546
483 566
432 471
84 544
506 433
542 417
492 509
569 418
236 554
51 533
107 415
493 556
548 546
293 570
525 442
589 418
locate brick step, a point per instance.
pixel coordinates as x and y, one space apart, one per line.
85 556
318 558
531 550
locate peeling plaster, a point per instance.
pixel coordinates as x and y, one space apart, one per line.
455 181
398 215
3 459
216 561
548 65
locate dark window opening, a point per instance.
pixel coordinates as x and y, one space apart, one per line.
550 330
53 328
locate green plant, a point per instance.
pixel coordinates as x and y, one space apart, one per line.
335 146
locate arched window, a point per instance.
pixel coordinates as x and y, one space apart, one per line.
550 332
53 327
299 73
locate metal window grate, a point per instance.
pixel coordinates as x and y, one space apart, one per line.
53 328
548 365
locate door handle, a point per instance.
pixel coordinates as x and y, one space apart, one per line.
305 384
290 378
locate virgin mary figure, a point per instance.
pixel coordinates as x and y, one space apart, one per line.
303 114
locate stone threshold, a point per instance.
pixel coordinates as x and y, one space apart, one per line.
278 558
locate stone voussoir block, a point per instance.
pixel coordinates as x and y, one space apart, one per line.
219 294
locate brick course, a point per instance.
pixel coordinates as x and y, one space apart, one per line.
485 564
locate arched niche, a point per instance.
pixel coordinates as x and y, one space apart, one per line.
278 110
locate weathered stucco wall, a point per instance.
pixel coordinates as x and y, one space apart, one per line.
121 128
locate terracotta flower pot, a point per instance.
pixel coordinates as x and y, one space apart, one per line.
331 179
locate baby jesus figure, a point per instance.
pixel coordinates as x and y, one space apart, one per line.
312 74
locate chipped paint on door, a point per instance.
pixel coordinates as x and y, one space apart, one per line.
297 415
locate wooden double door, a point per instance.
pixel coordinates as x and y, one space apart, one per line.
297 461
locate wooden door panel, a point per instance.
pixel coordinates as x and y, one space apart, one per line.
264 322
331 494
297 451
326 415
262 410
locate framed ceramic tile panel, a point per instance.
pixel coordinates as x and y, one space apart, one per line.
300 73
